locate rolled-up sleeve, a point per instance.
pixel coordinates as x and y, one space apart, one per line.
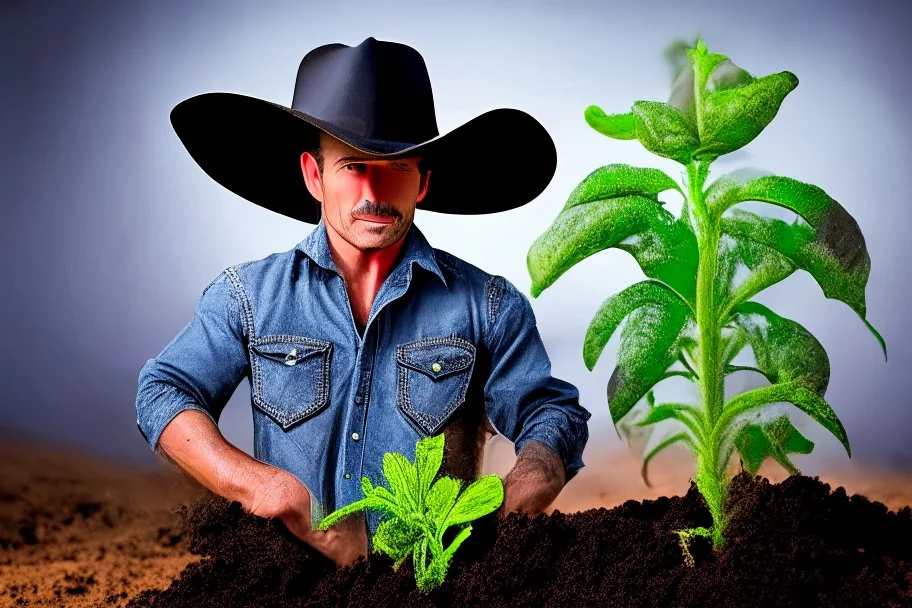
522 399
199 369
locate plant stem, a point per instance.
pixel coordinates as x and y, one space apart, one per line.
709 479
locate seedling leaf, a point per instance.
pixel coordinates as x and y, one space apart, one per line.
428 458
403 479
483 496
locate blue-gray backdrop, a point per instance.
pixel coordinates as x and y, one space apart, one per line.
110 231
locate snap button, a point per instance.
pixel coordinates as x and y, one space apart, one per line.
356 436
358 399
292 357
347 476
436 367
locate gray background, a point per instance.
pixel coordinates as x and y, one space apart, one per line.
110 231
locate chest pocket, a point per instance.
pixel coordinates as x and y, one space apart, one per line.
290 377
434 375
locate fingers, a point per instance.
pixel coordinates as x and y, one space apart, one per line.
343 543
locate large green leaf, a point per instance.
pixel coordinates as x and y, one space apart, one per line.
831 249
664 247
688 415
614 180
703 63
793 360
650 343
616 308
617 126
774 439
765 266
483 496
783 349
733 117
735 107
428 458
652 452
723 74
665 130
733 342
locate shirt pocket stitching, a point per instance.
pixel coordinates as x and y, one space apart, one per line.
289 414
458 358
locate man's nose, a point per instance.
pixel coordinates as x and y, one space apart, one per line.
373 185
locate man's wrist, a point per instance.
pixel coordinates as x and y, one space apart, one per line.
240 476
535 480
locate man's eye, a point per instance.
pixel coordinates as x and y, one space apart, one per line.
358 165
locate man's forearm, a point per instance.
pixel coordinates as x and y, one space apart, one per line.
534 481
194 443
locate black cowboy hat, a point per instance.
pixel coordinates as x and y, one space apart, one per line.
376 97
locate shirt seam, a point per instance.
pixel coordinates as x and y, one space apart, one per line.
241 294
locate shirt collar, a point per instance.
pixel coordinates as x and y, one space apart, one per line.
415 249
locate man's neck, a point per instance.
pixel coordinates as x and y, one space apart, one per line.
364 271
362 267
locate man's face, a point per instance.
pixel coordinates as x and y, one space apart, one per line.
369 201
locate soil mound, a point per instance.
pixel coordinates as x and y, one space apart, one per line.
796 543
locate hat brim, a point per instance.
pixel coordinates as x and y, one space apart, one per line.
497 161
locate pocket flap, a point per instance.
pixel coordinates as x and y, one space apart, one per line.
436 360
290 350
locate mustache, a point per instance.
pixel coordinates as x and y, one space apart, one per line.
381 209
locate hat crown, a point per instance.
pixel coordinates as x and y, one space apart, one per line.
378 90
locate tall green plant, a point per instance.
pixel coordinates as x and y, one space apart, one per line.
421 507
692 310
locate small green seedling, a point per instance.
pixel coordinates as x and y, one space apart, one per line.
704 267
422 509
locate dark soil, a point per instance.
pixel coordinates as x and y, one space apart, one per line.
795 543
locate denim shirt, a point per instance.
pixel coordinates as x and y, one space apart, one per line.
447 348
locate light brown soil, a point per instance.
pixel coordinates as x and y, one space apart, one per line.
76 530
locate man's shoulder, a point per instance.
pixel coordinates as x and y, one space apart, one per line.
267 262
461 270
477 279
256 274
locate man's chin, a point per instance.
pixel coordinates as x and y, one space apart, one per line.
377 236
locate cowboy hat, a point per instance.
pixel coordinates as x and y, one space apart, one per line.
375 97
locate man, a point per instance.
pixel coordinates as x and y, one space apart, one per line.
363 338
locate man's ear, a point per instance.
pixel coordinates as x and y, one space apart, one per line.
312 176
423 185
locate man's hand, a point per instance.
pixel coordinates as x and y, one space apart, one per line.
534 481
282 495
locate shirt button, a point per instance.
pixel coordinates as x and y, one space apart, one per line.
436 367
347 476
358 399
356 436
